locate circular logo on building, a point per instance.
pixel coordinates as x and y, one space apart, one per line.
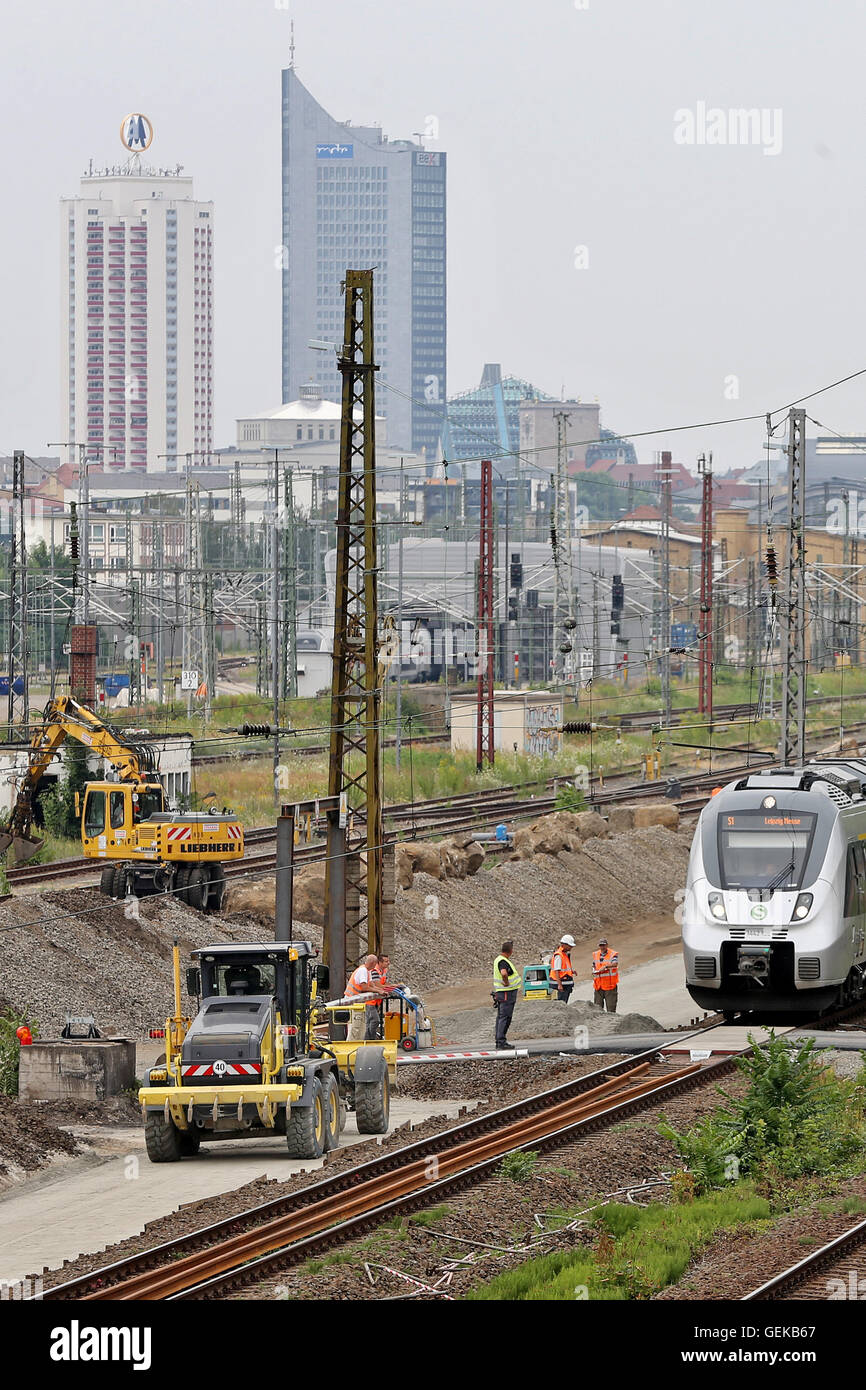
219 1068
136 132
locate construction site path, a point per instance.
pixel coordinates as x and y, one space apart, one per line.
79 1206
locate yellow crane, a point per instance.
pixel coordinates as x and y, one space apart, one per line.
147 849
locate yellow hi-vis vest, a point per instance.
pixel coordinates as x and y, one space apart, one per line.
513 977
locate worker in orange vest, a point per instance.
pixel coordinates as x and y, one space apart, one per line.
605 977
373 1014
561 970
363 986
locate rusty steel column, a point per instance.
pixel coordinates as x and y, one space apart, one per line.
284 874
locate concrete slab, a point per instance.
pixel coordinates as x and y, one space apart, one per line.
83 1205
725 1039
658 988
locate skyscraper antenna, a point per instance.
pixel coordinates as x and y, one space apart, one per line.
292 45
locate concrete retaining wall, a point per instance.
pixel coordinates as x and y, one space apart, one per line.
85 1071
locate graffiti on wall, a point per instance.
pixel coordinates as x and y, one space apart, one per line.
544 729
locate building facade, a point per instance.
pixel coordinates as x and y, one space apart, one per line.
137 319
352 199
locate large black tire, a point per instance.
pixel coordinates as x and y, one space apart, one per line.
198 887
118 886
373 1105
106 881
217 886
162 1140
305 1127
181 879
331 1102
190 1142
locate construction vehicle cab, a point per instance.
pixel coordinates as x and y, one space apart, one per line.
147 849
248 1064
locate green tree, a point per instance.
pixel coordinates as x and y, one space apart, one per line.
58 805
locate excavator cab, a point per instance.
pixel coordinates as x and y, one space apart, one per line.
112 810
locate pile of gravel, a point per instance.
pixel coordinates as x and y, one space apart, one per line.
449 931
75 951
539 1018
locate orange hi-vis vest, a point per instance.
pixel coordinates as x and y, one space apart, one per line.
560 966
605 967
355 985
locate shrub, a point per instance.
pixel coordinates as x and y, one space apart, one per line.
569 798
797 1119
519 1167
58 805
10 1048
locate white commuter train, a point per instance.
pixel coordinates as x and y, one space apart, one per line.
774 917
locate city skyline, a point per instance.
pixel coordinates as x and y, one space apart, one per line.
589 242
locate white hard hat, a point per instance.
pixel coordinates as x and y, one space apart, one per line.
566 940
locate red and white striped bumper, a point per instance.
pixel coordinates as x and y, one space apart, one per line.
196 1070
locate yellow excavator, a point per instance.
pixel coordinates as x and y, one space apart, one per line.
147 849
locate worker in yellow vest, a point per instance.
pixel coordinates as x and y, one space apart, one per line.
506 983
605 977
561 971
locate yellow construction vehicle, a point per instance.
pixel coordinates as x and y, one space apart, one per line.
249 1064
125 822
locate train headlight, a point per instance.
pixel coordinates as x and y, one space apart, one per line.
768 803
802 907
717 907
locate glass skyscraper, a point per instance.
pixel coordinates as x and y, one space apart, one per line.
353 199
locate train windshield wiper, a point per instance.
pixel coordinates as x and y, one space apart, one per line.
779 878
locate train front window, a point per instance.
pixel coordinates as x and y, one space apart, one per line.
764 850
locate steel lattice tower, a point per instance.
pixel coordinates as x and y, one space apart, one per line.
705 635
484 751
354 768
560 541
793 730
19 705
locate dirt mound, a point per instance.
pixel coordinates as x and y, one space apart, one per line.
75 951
27 1139
449 931
540 1018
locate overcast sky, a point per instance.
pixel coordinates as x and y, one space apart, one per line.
712 268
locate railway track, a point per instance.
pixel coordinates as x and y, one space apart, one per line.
810 1277
290 1229
306 749
441 815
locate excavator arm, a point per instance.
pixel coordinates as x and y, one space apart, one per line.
65 718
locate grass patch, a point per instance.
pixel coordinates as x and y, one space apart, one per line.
638 1252
431 1217
518 1167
